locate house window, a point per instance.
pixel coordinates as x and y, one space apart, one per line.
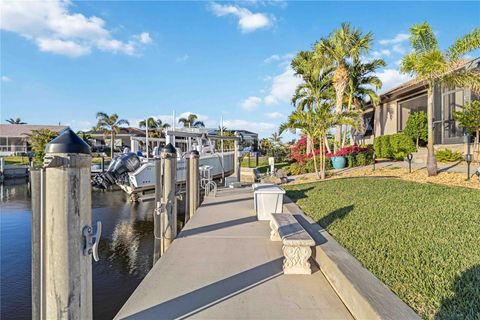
406 107
453 100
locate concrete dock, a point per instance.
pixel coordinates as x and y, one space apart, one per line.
224 266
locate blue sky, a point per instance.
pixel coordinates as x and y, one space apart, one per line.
61 62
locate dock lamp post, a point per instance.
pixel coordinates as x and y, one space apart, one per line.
374 158
409 158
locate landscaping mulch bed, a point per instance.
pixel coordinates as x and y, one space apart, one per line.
422 240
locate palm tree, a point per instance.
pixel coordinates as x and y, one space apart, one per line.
432 66
191 121
325 119
362 86
316 86
342 45
303 120
156 125
15 121
110 124
276 139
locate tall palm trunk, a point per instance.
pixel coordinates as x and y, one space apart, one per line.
112 144
314 158
340 81
322 158
431 160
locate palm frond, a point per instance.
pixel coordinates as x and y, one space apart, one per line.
463 45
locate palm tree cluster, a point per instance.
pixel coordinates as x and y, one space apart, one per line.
191 121
155 127
110 124
337 84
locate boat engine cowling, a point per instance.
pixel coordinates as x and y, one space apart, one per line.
117 170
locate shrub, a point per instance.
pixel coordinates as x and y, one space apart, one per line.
363 159
448 155
396 146
39 139
401 146
417 127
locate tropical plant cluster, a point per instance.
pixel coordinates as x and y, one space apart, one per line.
337 83
356 155
447 155
38 140
394 146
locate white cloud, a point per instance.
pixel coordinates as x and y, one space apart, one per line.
399 38
392 78
67 48
277 57
145 38
274 115
6 79
399 49
283 87
183 58
381 53
251 103
55 29
247 20
249 125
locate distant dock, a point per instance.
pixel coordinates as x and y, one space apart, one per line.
223 266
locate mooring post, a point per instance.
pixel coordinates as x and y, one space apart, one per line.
236 153
35 187
169 214
68 237
102 163
2 164
192 180
157 228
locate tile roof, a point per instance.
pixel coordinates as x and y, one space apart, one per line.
21 130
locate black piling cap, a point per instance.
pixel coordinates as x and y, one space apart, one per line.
67 142
195 153
169 148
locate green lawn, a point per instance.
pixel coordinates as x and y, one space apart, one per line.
16 160
421 240
263 164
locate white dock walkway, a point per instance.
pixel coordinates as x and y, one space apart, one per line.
224 266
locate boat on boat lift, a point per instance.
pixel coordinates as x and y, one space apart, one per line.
134 173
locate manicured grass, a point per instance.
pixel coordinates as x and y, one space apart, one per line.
263 164
421 240
16 160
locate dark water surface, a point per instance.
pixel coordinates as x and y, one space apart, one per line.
126 251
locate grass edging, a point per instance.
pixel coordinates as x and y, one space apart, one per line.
364 295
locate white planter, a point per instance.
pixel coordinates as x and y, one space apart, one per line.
268 200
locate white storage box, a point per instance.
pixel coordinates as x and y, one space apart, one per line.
268 200
256 186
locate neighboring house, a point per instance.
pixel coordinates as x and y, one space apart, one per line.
391 115
13 137
101 141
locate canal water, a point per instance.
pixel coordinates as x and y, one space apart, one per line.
126 250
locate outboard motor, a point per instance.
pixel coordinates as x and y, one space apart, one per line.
117 170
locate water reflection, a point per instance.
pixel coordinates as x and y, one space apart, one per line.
125 249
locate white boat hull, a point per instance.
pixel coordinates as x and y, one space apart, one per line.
143 178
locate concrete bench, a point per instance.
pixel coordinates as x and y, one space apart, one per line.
296 241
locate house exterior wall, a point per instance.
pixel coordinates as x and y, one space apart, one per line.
386 118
